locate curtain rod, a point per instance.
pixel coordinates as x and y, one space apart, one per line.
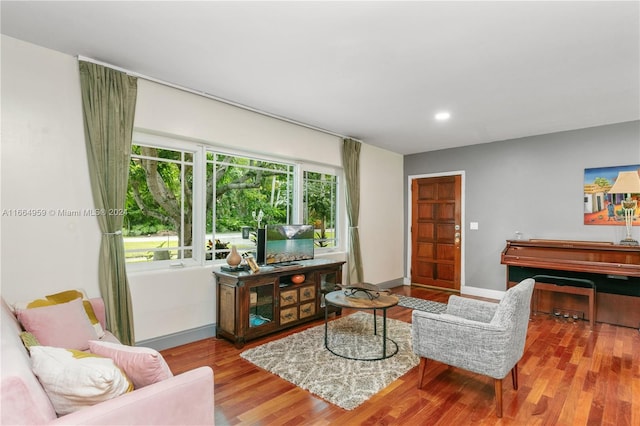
210 96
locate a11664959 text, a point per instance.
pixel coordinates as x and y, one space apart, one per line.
38 212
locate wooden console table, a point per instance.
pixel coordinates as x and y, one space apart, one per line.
251 305
613 269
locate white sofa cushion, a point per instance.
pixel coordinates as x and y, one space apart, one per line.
75 379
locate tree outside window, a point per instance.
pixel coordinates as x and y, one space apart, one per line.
320 201
159 219
187 202
238 189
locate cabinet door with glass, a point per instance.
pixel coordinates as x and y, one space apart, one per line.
329 280
261 312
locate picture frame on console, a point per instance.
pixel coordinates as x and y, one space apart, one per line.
253 265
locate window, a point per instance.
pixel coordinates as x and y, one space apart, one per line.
320 206
159 219
188 203
245 193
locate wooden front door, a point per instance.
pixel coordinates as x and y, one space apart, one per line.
436 231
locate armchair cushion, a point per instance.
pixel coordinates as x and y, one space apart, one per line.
472 309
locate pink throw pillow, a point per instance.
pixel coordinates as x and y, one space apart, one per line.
65 325
143 366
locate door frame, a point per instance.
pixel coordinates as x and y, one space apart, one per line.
410 179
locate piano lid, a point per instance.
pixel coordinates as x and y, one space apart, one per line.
579 256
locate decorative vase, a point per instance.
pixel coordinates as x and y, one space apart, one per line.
233 258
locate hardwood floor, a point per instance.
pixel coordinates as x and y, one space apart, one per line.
568 375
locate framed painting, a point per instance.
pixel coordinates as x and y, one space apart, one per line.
602 201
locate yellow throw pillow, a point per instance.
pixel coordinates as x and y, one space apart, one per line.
29 340
75 379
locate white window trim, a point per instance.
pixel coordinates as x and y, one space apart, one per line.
158 141
199 151
341 217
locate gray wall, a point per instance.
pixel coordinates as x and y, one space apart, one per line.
533 185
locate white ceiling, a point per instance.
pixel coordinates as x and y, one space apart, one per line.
375 71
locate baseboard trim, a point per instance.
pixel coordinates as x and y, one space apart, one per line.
482 292
180 338
469 291
391 283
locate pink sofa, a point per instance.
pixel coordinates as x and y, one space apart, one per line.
185 399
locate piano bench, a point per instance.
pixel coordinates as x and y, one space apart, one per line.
566 285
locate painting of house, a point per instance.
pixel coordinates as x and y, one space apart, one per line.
602 207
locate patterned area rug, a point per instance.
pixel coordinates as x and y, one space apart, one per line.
421 304
303 360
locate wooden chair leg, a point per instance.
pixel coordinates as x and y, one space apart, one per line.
498 388
421 369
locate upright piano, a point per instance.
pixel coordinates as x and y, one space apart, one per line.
614 270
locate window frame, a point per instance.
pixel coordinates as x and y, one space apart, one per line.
215 151
339 213
199 152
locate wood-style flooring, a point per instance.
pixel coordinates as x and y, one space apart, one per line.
569 375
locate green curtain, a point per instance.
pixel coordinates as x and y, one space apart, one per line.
351 163
109 102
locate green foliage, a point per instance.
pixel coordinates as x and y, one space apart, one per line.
219 245
242 186
601 182
245 186
148 212
159 196
320 199
144 229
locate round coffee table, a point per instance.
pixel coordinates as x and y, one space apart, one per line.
362 301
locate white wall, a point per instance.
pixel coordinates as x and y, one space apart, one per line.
44 166
381 233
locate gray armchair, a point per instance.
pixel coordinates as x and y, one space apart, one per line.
482 337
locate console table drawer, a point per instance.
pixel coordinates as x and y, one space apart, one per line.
288 297
307 310
308 293
288 315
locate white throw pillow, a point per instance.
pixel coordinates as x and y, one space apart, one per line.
75 379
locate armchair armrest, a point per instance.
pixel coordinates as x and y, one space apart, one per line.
472 309
185 399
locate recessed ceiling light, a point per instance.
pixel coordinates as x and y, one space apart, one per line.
441 116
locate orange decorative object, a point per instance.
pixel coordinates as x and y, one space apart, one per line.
298 278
